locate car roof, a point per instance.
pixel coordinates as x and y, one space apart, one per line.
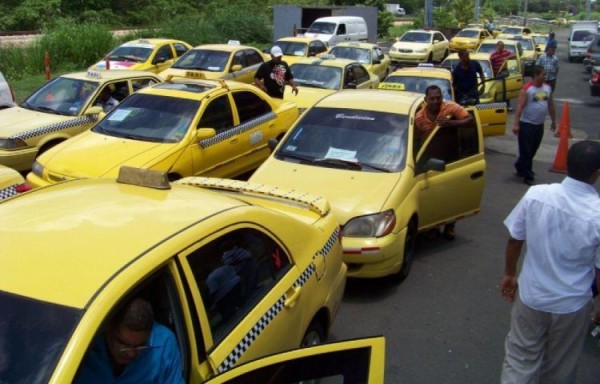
107 75
224 47
422 30
473 29
372 100
326 62
472 55
300 39
423 72
352 44
153 41
495 41
190 88
61 244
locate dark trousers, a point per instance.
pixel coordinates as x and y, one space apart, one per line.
530 138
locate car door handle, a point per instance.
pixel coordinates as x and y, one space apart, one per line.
233 141
292 296
476 175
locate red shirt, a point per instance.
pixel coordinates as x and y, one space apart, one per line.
498 58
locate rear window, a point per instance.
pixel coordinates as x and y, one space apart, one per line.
33 335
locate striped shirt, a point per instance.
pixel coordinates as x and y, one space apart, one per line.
550 64
498 59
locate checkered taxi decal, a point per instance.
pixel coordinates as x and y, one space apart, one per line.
40 131
237 130
257 329
490 106
7 192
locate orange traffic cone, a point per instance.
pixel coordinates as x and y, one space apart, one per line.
564 131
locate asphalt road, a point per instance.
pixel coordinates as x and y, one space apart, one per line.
447 322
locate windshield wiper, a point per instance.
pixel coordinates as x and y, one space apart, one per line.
348 163
45 109
125 57
294 156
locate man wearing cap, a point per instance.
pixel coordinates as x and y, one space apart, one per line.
273 75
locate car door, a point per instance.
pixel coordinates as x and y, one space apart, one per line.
360 361
244 288
508 88
456 191
493 118
163 58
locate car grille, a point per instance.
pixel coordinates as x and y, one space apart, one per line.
404 50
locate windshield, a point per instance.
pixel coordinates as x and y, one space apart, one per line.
490 48
450 64
132 52
467 33
512 31
419 84
33 335
317 76
292 48
540 39
582 36
62 96
150 118
348 138
526 44
416 37
358 54
203 60
321 27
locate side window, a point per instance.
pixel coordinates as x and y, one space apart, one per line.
233 273
512 65
440 37
341 29
180 49
164 53
318 47
120 90
217 115
250 106
453 143
379 53
361 74
482 35
253 57
238 59
137 84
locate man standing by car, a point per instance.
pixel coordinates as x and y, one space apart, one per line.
549 61
273 75
499 57
551 310
535 100
464 78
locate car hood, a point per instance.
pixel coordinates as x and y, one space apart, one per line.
182 72
94 155
307 96
17 120
350 193
464 40
409 45
118 65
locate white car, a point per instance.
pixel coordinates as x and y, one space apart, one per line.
419 46
7 97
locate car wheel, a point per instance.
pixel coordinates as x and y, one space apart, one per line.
410 244
446 53
315 334
430 58
570 59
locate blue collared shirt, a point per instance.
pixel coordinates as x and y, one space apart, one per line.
159 364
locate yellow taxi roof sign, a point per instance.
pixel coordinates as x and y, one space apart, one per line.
233 42
94 74
394 86
195 75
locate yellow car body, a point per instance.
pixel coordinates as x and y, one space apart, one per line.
514 46
319 77
540 40
11 183
468 39
219 61
60 110
153 55
530 53
369 55
494 90
297 48
185 127
141 236
419 46
513 31
359 149
492 115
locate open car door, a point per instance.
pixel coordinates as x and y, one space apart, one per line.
492 115
359 361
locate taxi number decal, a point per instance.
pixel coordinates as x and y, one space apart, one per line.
398 86
256 137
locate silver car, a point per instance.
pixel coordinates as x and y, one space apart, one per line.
7 97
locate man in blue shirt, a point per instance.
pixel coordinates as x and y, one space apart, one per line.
132 349
464 78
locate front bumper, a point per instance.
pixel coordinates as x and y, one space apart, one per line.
20 159
408 58
374 257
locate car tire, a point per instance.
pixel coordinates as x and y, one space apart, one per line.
314 335
430 57
410 245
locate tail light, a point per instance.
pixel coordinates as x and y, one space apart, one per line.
22 188
596 77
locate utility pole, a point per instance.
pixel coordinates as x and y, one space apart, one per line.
428 13
477 11
525 12
588 9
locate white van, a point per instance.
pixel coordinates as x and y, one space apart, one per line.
580 38
337 29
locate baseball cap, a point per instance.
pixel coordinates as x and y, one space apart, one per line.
276 51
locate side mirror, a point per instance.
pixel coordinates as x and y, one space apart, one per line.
95 110
435 41
235 68
272 143
432 165
568 39
205 133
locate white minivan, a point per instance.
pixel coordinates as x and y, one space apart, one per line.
337 29
7 97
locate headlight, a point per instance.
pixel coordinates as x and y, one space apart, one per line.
377 225
37 169
422 50
394 49
12 144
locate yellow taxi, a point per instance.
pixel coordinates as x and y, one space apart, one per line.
231 61
492 115
62 108
232 270
319 77
468 39
514 46
540 40
495 90
419 46
153 55
359 149
296 48
530 53
11 183
559 21
184 127
513 31
369 55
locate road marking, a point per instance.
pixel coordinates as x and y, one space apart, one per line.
572 101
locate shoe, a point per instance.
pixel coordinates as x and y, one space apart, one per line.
449 232
529 182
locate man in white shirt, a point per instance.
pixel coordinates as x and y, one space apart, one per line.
551 312
105 100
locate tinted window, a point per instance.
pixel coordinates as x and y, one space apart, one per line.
416 37
467 33
233 273
253 57
292 48
322 27
317 76
138 84
317 47
131 52
582 35
362 55
62 96
164 53
250 106
361 74
180 49
217 115
419 84
203 59
348 138
341 29
33 335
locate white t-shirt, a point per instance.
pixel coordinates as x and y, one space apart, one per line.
561 226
